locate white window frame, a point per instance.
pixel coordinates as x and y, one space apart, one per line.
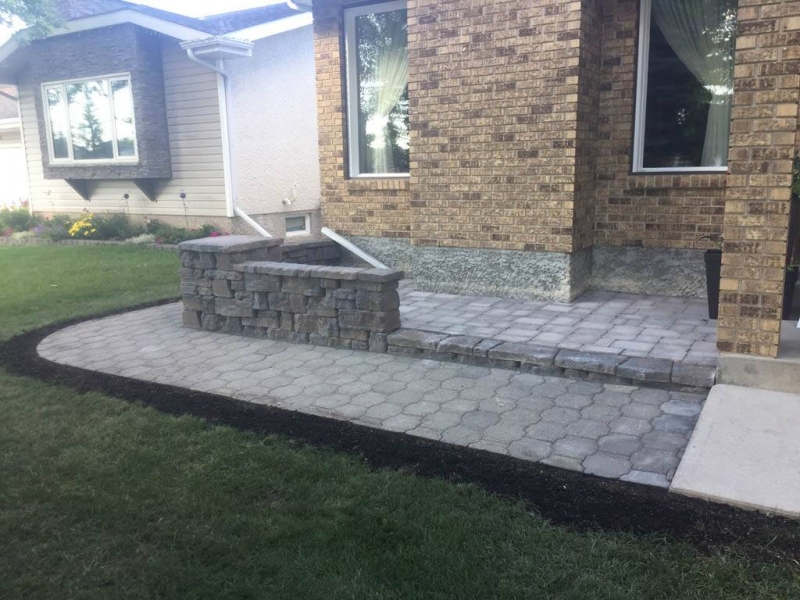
351 70
70 160
641 103
306 227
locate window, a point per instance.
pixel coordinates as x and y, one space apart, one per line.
685 85
297 225
90 120
376 41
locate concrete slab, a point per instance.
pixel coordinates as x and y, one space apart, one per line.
745 451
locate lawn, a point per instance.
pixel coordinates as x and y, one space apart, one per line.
102 499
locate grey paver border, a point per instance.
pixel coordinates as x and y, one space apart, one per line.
547 360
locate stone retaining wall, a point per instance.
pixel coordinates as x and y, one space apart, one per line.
311 253
239 285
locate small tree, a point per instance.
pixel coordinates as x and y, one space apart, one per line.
39 16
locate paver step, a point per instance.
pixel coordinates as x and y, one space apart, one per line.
549 360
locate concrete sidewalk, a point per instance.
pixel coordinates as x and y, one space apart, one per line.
745 451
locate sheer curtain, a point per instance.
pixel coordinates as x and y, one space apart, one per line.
391 79
702 34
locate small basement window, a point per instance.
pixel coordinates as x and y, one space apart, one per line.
298 225
90 120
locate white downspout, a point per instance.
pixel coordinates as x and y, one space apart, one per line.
224 110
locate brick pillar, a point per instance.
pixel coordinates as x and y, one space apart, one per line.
763 141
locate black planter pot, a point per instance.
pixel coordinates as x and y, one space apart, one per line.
788 292
713 260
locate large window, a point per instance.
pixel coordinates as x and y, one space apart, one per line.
90 120
685 85
377 89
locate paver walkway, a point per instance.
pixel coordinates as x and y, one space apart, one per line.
627 432
677 329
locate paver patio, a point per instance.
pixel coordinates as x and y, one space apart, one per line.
628 432
663 327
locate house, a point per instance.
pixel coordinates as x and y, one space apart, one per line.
535 148
190 121
13 180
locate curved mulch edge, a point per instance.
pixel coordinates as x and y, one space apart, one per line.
584 502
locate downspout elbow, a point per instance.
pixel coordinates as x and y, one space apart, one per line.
193 57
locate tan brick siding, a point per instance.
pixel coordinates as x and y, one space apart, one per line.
667 211
494 91
588 123
763 141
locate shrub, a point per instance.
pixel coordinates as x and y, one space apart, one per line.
166 234
17 218
116 227
106 227
55 228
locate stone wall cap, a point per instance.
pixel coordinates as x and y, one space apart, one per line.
532 354
413 338
272 268
380 275
228 244
300 270
594 362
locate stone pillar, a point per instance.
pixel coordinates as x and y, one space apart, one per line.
763 141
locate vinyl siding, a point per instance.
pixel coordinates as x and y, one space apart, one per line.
195 148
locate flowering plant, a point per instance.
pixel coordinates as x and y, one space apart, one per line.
84 227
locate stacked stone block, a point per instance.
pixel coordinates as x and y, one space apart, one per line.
763 142
311 253
228 286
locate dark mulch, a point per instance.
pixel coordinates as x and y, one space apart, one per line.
563 497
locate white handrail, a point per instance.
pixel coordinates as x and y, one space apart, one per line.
352 248
249 220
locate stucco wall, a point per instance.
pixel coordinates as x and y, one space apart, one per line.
273 124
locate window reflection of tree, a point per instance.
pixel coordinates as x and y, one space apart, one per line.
376 35
90 139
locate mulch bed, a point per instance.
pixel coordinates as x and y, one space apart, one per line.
566 498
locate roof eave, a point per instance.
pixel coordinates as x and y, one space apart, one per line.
180 32
265 30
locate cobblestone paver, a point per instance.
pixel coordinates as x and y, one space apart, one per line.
676 329
633 433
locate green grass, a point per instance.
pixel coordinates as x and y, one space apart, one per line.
102 499
46 284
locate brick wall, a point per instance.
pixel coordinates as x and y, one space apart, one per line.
351 207
668 211
763 140
495 93
588 122
493 90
